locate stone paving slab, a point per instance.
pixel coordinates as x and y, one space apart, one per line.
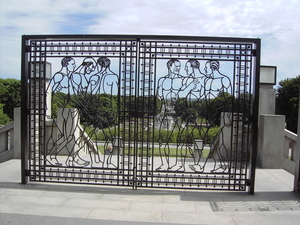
51 203
17 219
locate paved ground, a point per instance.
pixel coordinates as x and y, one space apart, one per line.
46 203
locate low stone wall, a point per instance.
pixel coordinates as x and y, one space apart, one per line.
271 141
289 154
10 138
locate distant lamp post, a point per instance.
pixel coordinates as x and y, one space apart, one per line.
267 94
268 75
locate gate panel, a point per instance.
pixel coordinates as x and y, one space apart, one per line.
141 111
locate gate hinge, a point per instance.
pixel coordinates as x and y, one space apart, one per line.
254 52
27 173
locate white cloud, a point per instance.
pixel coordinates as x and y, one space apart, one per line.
275 21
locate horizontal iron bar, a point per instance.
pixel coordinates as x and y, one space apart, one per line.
138 37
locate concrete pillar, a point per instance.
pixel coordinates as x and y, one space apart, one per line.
226 134
17 133
271 141
267 99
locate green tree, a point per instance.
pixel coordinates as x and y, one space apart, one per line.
4 119
142 106
149 104
60 100
10 95
214 107
97 110
243 103
189 111
287 101
180 107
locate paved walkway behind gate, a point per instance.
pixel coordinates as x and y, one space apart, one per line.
47 203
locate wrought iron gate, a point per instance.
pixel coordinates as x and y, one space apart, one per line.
140 111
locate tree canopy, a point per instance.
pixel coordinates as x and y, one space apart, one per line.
286 104
287 101
209 109
4 119
10 95
101 110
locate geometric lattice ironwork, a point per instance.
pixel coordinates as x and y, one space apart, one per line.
140 111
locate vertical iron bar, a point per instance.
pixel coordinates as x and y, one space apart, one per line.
121 115
133 97
154 114
40 108
141 78
240 130
33 107
255 117
297 158
44 151
249 97
137 99
232 120
24 112
235 116
151 101
120 119
244 113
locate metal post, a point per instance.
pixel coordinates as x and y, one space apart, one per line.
255 118
297 157
24 118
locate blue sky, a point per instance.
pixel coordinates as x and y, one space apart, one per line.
276 22
77 24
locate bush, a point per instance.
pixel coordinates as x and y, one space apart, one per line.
4 119
10 95
158 136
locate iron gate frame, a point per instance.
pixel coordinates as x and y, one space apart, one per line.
30 51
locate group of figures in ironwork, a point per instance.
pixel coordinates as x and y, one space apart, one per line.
197 85
78 84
